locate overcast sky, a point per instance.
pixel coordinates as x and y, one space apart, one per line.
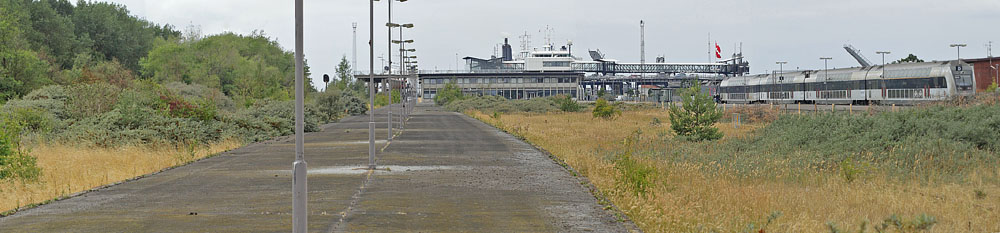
797 31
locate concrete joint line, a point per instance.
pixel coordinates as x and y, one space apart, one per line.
355 199
386 146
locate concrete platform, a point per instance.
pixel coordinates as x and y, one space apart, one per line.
445 173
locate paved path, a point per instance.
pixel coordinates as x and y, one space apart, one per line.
446 172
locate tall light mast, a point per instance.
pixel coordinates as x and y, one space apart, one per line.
354 54
642 46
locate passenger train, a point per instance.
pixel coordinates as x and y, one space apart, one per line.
905 84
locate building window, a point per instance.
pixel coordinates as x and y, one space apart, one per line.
555 64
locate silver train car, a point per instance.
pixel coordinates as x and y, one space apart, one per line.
903 84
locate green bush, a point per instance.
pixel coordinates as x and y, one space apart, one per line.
88 100
694 121
353 105
50 99
481 103
329 104
536 105
502 105
15 163
608 111
567 104
196 92
146 126
335 104
203 109
449 93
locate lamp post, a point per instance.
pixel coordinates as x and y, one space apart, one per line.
781 76
389 44
371 88
958 47
300 213
882 76
400 41
826 72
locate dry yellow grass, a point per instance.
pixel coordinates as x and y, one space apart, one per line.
685 199
69 169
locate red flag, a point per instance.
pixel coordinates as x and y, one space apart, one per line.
718 51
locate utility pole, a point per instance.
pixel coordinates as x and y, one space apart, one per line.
300 213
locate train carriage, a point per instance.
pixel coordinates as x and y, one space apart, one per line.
906 84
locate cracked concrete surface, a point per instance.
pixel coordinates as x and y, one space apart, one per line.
445 173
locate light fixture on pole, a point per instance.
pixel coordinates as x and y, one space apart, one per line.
781 69
881 76
959 49
300 213
883 53
389 44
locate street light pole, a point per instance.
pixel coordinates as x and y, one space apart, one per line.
300 213
959 49
826 72
883 53
371 88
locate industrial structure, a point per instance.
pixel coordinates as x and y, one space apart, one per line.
553 71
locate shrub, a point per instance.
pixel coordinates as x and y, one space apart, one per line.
15 163
500 104
87 100
449 93
695 119
329 104
113 128
536 105
481 103
352 104
197 92
51 99
992 87
381 100
567 104
603 109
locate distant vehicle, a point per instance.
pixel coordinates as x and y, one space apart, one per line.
620 98
907 83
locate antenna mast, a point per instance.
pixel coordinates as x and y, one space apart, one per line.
525 45
354 55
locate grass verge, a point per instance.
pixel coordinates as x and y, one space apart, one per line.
751 181
68 170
